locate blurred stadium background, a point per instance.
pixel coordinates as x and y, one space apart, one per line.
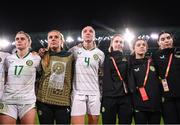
73 37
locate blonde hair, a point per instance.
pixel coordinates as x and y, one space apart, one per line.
61 37
46 57
110 49
27 36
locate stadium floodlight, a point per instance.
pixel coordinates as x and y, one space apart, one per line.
79 38
69 39
99 38
13 43
4 43
106 38
128 36
154 36
46 41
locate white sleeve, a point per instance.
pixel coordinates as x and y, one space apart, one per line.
101 57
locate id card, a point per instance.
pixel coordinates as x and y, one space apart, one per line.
143 94
165 85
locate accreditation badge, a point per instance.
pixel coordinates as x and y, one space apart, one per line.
165 85
143 94
57 76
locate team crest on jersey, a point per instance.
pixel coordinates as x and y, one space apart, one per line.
152 68
96 57
177 54
29 62
39 112
58 68
0 59
1 105
124 59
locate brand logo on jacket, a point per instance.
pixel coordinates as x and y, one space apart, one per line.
136 70
162 57
177 54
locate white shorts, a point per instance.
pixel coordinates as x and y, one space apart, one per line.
15 110
82 104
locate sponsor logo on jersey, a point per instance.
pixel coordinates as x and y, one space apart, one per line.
79 52
96 57
10 61
58 68
29 62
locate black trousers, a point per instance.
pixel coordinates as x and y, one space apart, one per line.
50 114
171 110
118 106
147 117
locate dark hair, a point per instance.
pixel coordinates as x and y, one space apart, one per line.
163 32
137 39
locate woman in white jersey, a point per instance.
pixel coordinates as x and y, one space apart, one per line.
2 58
86 92
19 96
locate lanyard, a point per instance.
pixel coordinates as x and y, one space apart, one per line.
119 74
169 64
114 63
147 72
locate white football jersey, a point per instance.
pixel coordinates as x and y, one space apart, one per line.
21 76
3 55
86 70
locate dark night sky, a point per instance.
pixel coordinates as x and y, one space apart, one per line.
32 17
110 15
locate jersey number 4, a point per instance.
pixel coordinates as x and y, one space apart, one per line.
87 60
